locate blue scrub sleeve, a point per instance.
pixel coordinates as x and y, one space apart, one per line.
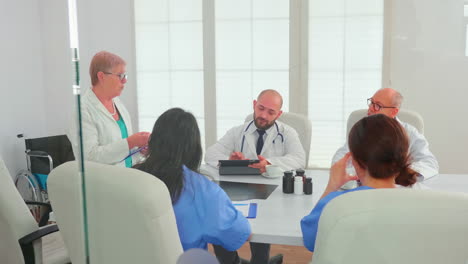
225 225
309 224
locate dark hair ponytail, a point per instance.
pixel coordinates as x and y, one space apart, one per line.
379 144
407 176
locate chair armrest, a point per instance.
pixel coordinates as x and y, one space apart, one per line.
39 203
42 231
27 242
37 153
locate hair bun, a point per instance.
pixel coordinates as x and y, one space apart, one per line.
407 176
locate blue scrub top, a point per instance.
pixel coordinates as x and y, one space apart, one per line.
124 133
309 224
205 214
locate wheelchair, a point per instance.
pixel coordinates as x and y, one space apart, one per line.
42 156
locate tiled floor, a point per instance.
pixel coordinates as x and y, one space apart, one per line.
292 254
53 249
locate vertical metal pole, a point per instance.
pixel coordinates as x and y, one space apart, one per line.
73 26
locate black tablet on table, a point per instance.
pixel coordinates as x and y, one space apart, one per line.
237 167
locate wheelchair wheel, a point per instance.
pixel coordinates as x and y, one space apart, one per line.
29 189
27 186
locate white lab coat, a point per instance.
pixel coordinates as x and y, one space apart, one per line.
286 151
422 159
102 139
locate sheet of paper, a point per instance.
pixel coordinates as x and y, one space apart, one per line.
243 207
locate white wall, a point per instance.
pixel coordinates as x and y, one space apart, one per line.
109 25
99 29
428 65
36 68
57 66
22 100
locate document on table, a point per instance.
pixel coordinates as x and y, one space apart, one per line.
249 210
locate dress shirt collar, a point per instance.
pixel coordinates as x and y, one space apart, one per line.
253 129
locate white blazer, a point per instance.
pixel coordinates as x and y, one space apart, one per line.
422 159
102 139
281 147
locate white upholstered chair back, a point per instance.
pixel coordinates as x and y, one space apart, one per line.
301 124
407 116
16 221
130 216
394 226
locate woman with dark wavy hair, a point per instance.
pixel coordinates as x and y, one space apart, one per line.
379 152
203 211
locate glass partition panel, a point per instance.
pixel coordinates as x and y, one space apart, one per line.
39 125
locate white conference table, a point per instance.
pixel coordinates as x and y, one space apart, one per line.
278 217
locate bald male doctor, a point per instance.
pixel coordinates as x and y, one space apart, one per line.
268 140
264 138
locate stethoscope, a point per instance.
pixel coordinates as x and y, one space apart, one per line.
247 128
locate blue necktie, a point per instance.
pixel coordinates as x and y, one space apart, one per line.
260 141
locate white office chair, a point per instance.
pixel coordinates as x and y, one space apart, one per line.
407 116
394 226
20 235
130 216
301 124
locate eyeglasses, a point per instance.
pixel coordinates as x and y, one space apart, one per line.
121 76
377 106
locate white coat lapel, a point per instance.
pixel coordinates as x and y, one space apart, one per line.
268 141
